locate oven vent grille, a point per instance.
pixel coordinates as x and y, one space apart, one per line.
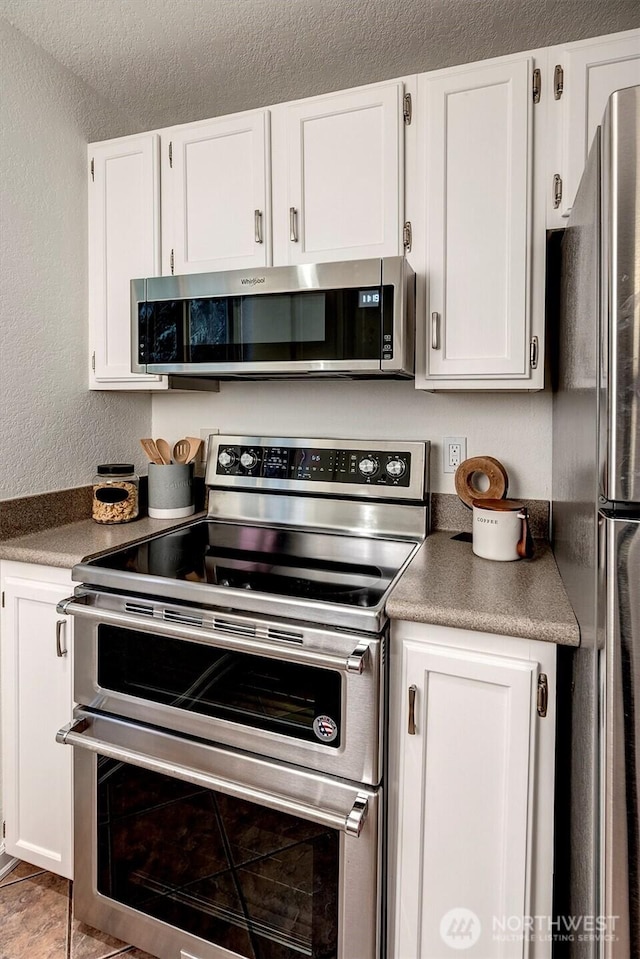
139 608
175 616
286 635
228 626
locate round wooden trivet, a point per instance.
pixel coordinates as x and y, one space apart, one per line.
491 468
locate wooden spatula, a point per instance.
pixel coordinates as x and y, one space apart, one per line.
150 448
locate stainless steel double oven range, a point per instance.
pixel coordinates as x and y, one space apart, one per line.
229 742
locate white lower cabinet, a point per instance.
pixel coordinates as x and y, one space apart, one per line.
471 794
36 701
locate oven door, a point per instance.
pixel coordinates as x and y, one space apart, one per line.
308 696
190 851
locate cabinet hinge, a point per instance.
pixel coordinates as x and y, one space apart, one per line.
171 262
543 695
170 153
93 169
537 85
407 108
93 361
533 352
557 190
407 236
558 81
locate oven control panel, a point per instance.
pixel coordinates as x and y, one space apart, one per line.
383 469
316 465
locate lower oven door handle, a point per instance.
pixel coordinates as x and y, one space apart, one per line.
75 734
287 652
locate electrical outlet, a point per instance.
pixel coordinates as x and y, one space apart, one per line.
454 451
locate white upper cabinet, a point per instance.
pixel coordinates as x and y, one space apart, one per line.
475 160
124 244
215 188
338 167
591 71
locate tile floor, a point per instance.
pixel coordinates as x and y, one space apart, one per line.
37 921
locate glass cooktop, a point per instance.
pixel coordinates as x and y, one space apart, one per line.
278 561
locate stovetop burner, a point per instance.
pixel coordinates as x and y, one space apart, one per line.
285 562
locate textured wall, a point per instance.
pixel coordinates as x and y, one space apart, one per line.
54 431
173 61
514 428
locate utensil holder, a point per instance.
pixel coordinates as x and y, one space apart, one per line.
171 490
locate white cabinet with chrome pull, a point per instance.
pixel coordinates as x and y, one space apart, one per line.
479 241
471 790
36 701
216 195
586 73
124 243
338 176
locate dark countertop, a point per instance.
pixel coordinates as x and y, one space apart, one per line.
446 584
65 546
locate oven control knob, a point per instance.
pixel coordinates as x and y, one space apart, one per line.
396 467
368 466
248 459
226 458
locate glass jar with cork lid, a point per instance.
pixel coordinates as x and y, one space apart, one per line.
115 493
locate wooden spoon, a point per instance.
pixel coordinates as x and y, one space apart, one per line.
164 450
186 450
181 451
150 448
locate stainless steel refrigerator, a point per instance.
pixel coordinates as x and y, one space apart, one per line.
596 532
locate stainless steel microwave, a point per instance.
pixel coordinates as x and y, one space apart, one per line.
354 318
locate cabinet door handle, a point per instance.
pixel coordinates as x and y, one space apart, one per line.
258 225
412 710
60 650
435 331
293 224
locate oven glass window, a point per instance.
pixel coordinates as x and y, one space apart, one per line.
259 883
270 327
300 701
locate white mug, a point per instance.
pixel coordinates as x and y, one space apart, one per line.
501 530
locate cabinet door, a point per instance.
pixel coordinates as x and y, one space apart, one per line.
216 187
36 702
463 801
124 244
338 178
593 70
476 160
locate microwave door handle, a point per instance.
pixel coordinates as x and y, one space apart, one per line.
77 733
354 663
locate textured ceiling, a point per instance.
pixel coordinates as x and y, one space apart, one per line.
172 61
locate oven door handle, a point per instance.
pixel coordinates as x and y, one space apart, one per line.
291 653
77 733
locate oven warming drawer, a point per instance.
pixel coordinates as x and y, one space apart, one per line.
187 849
